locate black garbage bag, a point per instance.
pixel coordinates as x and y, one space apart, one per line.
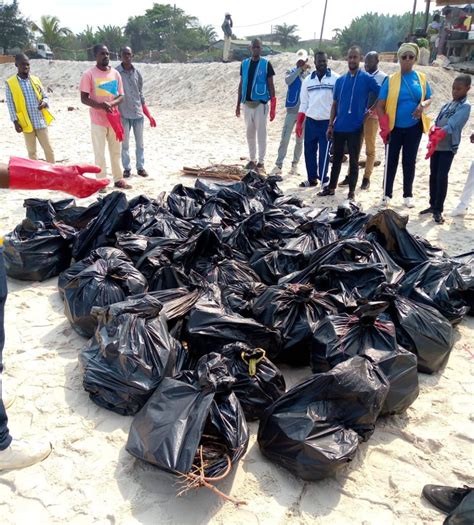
368 332
35 252
195 412
273 263
213 188
185 202
78 216
238 202
421 329
293 309
437 283
142 209
240 296
165 225
465 266
129 354
170 276
225 272
113 217
45 210
132 244
390 231
107 280
159 251
210 327
315 428
311 236
217 211
258 382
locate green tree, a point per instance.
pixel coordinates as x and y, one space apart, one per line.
285 34
208 33
86 42
139 32
14 30
112 37
50 31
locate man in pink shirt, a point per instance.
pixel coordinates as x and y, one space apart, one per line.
102 90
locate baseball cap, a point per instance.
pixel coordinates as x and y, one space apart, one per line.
302 54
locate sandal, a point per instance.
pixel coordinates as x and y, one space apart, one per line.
122 184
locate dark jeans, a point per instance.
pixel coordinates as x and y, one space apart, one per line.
353 141
315 149
408 140
5 438
440 164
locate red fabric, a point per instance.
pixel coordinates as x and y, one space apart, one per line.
273 105
147 113
27 174
299 124
384 123
436 135
116 123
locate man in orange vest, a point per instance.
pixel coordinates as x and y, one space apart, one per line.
28 106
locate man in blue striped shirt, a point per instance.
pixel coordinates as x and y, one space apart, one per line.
28 107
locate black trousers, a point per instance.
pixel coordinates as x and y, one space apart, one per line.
440 164
406 140
353 141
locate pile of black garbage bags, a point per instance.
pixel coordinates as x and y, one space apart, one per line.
192 300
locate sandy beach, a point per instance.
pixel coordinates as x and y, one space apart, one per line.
89 478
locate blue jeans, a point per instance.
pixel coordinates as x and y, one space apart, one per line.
315 149
5 438
137 125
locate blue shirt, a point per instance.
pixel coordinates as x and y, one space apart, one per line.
408 99
452 118
351 93
31 100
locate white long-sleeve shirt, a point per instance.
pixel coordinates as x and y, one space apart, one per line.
317 95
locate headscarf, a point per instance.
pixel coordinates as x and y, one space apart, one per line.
409 47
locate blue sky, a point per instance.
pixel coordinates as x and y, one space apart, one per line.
249 16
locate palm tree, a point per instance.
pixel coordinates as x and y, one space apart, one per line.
50 30
112 37
284 33
209 33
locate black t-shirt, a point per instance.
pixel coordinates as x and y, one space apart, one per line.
252 69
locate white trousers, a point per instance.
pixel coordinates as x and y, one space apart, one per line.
100 136
468 190
226 50
256 124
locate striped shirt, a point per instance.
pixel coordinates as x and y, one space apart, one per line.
317 95
133 100
32 102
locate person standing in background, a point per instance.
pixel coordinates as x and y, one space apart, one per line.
132 110
227 28
294 80
29 109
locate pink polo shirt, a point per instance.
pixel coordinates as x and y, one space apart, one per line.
102 86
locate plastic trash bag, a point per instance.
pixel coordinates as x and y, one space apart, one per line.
44 210
129 354
293 309
465 266
258 382
311 236
78 216
109 279
133 245
240 296
437 283
192 410
184 202
273 263
165 225
315 428
35 252
210 327
368 332
226 272
142 209
101 230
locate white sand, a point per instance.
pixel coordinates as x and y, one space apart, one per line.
89 478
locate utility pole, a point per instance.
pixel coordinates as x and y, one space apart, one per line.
413 18
322 24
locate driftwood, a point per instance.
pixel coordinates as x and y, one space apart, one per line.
230 172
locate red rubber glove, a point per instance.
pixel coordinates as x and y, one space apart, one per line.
436 135
147 114
273 107
299 124
116 123
26 174
384 123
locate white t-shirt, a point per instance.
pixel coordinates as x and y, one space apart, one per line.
317 95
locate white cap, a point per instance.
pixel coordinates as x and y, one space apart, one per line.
302 54
227 14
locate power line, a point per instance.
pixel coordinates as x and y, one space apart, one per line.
277 18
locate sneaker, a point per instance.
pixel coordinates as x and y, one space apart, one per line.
438 217
127 174
344 182
426 211
276 171
377 163
250 165
308 183
408 202
21 454
365 184
459 211
351 196
122 184
326 192
445 499
385 202
294 169
142 173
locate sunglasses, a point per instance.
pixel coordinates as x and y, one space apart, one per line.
408 57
